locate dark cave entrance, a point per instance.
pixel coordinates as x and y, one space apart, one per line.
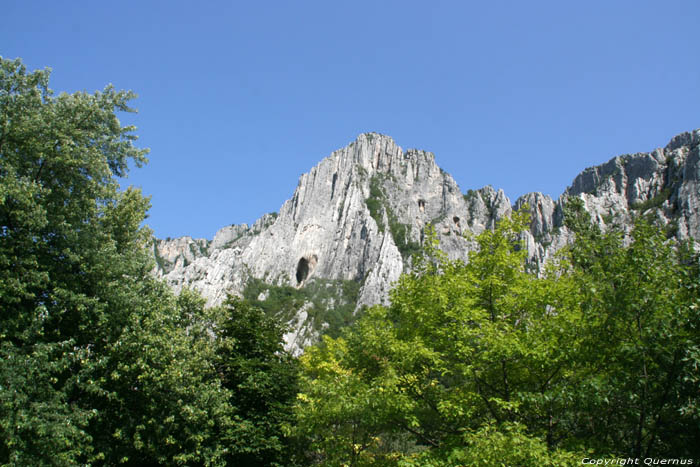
302 270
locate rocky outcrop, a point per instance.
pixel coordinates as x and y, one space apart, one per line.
360 213
328 230
663 183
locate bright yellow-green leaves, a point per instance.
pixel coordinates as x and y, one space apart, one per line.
483 363
461 348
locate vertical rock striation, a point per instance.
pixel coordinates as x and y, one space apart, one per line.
361 212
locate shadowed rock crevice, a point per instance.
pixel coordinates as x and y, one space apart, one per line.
335 179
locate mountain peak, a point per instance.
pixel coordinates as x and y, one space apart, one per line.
358 215
688 138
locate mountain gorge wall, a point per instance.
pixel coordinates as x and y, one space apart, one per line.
360 213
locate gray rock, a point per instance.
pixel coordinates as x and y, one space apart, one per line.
361 212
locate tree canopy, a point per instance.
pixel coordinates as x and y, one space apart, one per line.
483 363
472 363
100 362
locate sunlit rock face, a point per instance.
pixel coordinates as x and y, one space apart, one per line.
326 229
360 213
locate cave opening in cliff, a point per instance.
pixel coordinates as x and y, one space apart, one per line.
302 270
421 205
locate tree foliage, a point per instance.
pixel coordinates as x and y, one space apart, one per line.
472 363
482 363
70 249
639 299
100 363
262 379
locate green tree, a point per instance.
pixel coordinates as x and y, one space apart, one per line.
100 363
464 351
160 399
262 379
63 246
484 364
639 299
344 415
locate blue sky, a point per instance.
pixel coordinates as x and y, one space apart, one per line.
237 99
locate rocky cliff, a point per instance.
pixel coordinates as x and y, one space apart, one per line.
361 212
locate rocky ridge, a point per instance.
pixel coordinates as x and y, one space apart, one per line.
360 213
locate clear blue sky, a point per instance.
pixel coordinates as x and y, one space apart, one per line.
237 99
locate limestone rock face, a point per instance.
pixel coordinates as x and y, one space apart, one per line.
360 213
664 183
326 229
